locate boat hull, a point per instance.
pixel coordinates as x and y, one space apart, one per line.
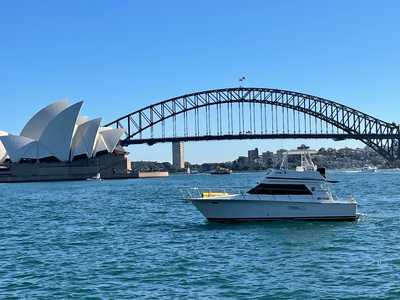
264 210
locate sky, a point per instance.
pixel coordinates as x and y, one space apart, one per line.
120 56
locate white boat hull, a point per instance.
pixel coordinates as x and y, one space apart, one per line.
248 210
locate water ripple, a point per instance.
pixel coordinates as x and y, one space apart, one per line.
137 239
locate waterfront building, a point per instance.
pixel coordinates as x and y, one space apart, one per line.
253 155
242 162
268 159
3 152
58 133
58 144
178 159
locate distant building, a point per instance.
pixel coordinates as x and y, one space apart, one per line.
267 155
253 154
242 161
268 159
178 158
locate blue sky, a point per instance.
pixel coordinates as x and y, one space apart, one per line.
119 56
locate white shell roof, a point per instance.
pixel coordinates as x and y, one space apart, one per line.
57 136
85 138
14 145
81 120
58 130
3 152
100 145
111 137
39 122
35 150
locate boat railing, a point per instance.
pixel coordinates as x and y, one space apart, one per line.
199 192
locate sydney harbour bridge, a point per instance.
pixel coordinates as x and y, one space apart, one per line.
256 113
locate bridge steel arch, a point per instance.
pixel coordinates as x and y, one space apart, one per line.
381 136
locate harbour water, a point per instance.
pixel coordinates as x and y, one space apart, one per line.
126 239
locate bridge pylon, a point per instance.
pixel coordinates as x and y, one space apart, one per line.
178 155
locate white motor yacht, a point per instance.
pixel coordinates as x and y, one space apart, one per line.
302 194
221 171
369 169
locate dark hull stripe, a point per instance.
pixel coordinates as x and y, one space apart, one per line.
266 201
339 218
293 178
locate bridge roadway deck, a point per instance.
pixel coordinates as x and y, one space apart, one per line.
334 136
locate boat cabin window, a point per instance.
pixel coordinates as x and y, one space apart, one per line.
280 189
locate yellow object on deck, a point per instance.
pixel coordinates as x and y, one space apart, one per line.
213 194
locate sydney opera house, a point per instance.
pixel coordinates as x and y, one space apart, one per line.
59 144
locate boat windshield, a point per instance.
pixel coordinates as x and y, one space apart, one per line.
280 189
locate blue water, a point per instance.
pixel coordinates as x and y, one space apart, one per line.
137 239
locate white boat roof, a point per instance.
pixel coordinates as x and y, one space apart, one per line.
289 175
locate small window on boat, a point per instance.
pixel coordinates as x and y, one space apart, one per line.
280 189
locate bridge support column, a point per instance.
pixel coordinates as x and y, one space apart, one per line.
178 157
